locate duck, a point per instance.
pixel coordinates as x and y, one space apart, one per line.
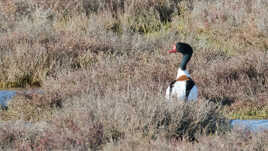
183 88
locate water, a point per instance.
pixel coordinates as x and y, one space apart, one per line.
252 125
5 96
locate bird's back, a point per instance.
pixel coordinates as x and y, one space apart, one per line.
183 88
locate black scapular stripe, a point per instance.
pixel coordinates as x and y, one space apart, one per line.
189 85
171 85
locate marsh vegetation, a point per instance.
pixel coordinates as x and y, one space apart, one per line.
104 68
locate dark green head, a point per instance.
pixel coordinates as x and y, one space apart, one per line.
186 51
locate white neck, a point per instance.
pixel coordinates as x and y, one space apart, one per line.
182 72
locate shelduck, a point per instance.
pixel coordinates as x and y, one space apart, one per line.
183 88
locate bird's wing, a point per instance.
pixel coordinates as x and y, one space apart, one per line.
189 85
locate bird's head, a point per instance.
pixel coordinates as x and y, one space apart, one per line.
183 48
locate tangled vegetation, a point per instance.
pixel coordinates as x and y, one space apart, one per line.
103 67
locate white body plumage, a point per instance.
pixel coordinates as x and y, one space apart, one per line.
178 91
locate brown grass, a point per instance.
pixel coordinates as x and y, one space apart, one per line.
91 121
230 142
104 68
